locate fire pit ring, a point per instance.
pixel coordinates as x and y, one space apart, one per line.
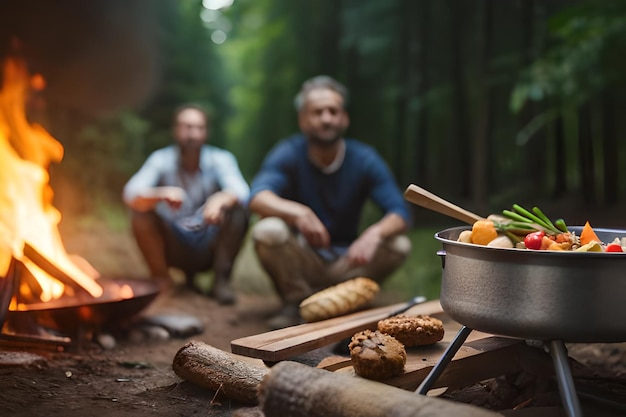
74 315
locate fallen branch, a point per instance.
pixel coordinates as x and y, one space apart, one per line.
212 368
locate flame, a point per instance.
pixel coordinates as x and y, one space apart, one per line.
27 216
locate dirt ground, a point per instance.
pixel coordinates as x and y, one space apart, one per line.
135 378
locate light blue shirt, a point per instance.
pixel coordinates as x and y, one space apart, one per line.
218 171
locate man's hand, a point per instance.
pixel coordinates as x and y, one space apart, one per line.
313 230
297 215
216 207
173 196
363 249
145 201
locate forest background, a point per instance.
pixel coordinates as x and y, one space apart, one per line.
483 102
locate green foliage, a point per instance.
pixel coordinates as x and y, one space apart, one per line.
581 60
441 89
191 72
106 153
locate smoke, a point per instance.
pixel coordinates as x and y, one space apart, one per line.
96 55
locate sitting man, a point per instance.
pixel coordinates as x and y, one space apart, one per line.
310 193
187 204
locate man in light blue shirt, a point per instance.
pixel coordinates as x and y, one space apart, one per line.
188 206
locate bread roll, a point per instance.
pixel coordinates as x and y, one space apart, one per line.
411 331
339 299
376 355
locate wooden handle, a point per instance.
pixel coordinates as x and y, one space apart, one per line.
423 198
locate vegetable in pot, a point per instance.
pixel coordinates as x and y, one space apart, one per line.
533 240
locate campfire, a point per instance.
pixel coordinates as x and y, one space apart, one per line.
36 273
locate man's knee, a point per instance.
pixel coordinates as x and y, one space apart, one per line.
400 244
271 231
144 222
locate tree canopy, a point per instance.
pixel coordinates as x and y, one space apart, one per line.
481 102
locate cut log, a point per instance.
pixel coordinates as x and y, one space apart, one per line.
219 371
291 389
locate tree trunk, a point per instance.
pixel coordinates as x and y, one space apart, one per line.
610 150
458 145
479 167
295 390
421 155
535 155
585 138
560 165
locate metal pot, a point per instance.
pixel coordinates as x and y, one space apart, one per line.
535 295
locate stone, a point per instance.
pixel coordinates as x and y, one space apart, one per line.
178 325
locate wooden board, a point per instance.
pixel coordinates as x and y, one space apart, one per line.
286 343
482 356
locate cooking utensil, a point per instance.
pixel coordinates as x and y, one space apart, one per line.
538 295
426 199
73 315
551 296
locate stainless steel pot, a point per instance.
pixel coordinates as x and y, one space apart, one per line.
535 295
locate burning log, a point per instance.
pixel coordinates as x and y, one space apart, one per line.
219 371
78 280
291 389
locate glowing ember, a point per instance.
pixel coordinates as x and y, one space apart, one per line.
26 212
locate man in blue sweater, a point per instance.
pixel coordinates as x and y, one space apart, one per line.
310 193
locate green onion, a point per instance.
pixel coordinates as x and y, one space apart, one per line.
543 217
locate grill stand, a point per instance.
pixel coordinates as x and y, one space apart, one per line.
559 358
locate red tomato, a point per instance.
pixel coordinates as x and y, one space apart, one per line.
614 247
533 240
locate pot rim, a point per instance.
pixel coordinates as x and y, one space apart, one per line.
444 237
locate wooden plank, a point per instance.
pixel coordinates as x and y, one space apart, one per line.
286 343
475 361
482 356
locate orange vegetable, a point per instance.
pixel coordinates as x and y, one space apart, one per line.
555 246
587 235
483 232
546 242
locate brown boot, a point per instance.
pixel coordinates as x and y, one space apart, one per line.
289 316
222 291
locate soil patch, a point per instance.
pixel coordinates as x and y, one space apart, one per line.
135 377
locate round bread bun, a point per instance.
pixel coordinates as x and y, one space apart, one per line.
419 330
339 299
376 355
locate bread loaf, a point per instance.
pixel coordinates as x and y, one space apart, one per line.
339 299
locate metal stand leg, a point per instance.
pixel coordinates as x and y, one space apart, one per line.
436 372
564 378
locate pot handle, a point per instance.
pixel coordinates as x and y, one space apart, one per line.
442 255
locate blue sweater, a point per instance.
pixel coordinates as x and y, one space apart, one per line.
337 198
